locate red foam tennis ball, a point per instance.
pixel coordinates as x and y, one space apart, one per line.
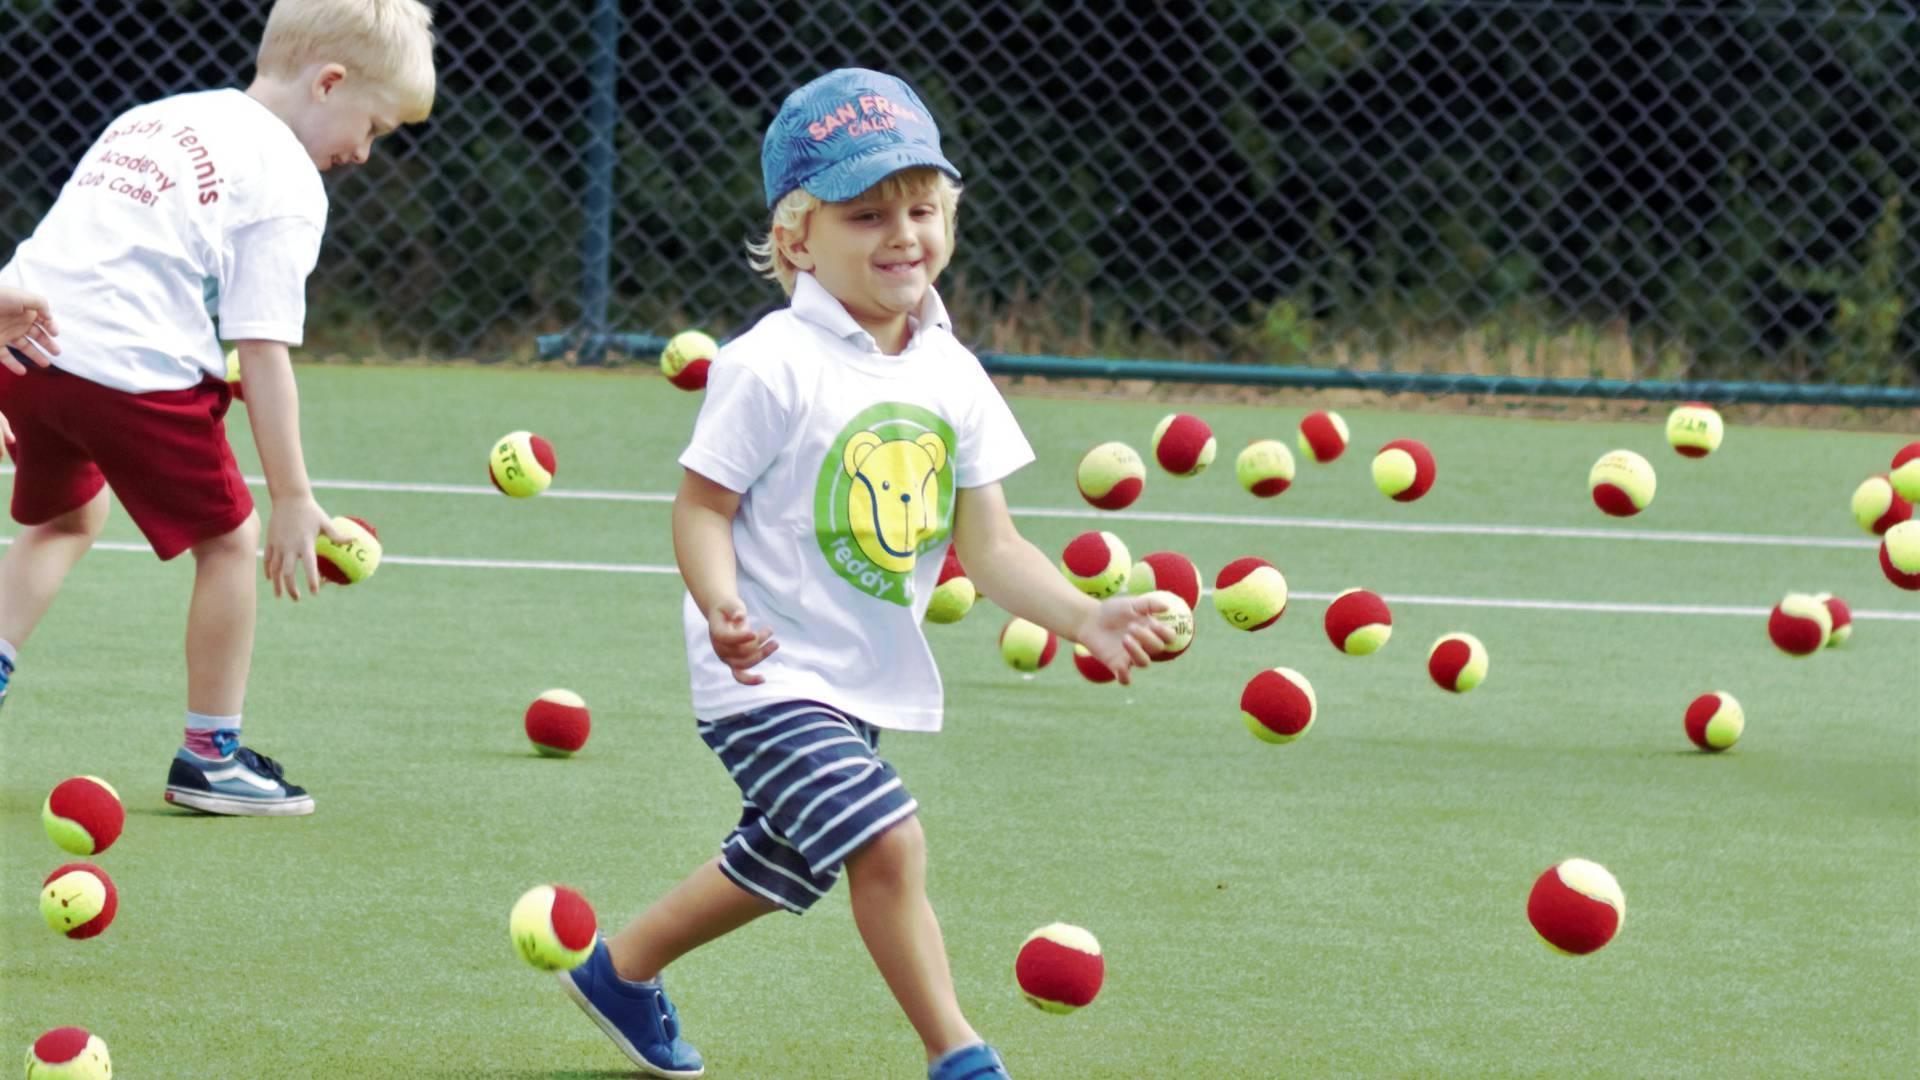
69 1053
553 928
1250 593
558 723
1093 670
1358 622
1097 563
1800 625
1900 554
1404 470
355 560
1842 619
1111 476
1877 507
1169 571
1905 472
1278 705
1060 968
522 464
686 359
83 815
1576 907
1323 436
1027 646
79 900
1457 662
953 594
1621 483
1714 721
1183 444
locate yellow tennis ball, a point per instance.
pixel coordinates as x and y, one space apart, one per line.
233 374
1905 472
1877 507
353 561
553 928
1176 615
69 1053
1621 483
1111 476
1900 555
521 464
1265 467
1097 563
1694 429
686 359
1027 646
1250 593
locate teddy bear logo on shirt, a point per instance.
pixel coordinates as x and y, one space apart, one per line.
894 499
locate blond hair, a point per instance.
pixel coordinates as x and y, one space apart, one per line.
386 43
795 209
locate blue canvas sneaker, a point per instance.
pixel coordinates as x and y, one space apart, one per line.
636 1016
242 783
6 676
976 1062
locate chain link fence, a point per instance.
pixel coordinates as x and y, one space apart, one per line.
1619 189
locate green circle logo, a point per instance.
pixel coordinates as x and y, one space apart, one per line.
885 496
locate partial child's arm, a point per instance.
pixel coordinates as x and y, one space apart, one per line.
703 547
26 324
1014 574
273 410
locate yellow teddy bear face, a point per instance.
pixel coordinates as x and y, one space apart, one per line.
895 495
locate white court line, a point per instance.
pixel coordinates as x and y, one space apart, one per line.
1248 520
1600 607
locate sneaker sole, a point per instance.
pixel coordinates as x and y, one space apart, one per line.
619 1040
226 806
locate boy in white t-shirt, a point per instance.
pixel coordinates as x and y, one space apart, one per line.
843 439
218 193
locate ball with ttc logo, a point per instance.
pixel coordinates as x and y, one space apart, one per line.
355 559
1097 563
83 815
1694 430
558 723
1250 593
1059 968
521 464
69 1053
553 928
1265 468
1111 476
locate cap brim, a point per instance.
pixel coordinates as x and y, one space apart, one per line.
848 179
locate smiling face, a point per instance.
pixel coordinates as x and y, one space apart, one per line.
877 254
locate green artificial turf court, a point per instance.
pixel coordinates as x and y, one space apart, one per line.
1348 905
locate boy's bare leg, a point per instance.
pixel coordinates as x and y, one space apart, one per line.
704 906
37 562
888 880
220 620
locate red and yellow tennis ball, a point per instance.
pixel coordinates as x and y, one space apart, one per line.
69 1053
1905 472
1404 470
1576 907
1323 436
1168 570
1059 968
1694 429
1265 467
1027 646
79 900
1877 507
1621 483
1842 619
1714 721
521 464
1250 593
686 359
953 594
553 928
558 723
353 561
1183 444
83 815
1097 563
1900 555
1177 616
1111 476
1800 624
1091 669
1358 622
1278 705
1457 662
233 375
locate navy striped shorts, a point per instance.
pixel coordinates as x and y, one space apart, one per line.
813 790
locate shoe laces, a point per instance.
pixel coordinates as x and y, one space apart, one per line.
260 763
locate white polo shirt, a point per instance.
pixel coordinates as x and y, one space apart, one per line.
180 199
847 461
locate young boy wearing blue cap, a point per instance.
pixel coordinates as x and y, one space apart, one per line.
843 440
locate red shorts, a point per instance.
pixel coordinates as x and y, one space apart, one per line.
165 454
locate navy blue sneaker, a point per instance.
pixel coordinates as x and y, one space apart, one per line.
976 1062
636 1016
242 783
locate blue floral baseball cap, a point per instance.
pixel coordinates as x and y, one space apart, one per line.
846 131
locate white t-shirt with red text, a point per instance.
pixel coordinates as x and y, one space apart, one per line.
196 195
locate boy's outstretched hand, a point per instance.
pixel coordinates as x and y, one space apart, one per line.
1120 632
26 324
736 642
